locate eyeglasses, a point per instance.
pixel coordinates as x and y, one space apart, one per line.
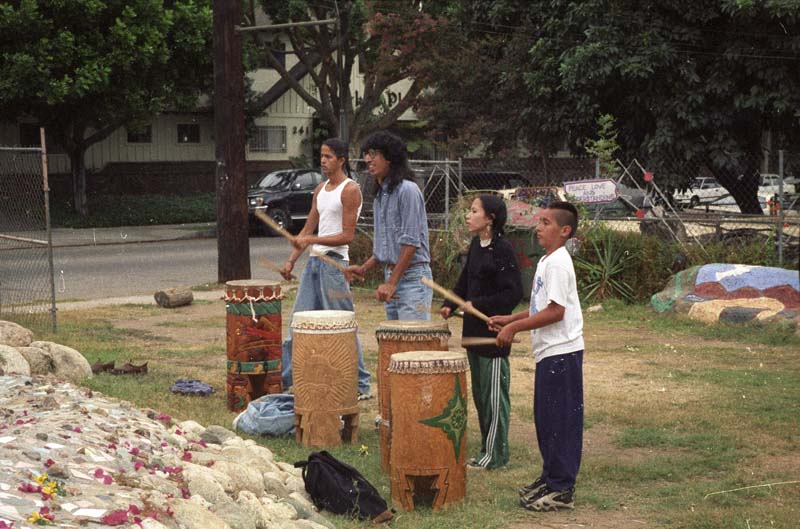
372 153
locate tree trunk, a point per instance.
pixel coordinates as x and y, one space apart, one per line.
78 163
174 297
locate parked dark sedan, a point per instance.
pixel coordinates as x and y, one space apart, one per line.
285 196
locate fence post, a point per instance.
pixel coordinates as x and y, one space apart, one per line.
446 194
46 191
597 167
780 207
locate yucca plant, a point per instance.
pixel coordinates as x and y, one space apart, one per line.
601 276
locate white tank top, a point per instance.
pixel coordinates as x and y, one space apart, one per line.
329 207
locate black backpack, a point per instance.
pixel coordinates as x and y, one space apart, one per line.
341 489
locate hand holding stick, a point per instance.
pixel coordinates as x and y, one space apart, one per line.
273 266
281 231
455 298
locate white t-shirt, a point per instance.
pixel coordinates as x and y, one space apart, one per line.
555 281
330 209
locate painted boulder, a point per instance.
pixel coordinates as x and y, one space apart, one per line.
733 293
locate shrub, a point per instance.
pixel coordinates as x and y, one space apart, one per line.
136 210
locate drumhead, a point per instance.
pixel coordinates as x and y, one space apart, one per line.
428 362
413 325
324 319
252 283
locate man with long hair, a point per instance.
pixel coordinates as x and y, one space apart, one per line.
400 240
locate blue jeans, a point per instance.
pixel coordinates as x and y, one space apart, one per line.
322 287
412 300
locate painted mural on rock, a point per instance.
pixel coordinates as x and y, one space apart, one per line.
732 292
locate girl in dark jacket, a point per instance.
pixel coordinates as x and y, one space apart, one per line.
490 281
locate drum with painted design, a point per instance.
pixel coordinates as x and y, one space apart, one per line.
400 336
429 427
325 373
253 336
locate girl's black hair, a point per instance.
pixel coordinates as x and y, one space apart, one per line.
394 150
339 148
495 208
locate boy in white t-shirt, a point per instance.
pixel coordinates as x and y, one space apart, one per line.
555 314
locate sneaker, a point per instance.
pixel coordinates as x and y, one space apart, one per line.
547 499
528 490
364 396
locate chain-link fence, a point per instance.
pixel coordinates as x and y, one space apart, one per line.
746 202
27 294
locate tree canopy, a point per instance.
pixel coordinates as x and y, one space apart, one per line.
387 41
692 87
84 68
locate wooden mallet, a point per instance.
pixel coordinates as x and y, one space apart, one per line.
473 341
455 298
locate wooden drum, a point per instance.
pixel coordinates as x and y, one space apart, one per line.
325 372
429 428
400 336
253 310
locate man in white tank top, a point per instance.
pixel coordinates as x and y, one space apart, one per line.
334 211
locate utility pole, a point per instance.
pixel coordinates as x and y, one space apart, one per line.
233 244
343 29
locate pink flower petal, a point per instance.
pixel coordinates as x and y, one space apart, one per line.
77 429
118 517
187 456
98 473
134 451
138 465
185 493
134 509
49 463
107 480
164 443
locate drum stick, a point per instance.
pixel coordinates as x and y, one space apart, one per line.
273 266
470 342
455 298
274 225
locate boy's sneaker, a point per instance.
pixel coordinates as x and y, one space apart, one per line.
364 396
547 499
529 490
475 466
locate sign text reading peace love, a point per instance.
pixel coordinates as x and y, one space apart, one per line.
592 191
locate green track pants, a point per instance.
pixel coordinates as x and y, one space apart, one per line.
490 383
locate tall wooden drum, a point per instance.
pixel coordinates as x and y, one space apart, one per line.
253 338
429 428
325 372
400 336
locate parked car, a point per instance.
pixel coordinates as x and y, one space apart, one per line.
770 183
702 191
285 196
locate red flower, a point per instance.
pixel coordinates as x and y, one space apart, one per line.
163 417
185 493
187 456
4 525
133 509
98 473
77 429
164 444
29 487
134 451
210 463
107 480
138 465
117 517
49 463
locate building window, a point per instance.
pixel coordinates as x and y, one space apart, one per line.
268 139
29 137
141 135
188 133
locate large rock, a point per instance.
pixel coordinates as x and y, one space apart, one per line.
14 335
12 362
734 293
38 359
235 516
68 364
189 516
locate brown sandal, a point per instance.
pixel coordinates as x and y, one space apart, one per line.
130 369
99 367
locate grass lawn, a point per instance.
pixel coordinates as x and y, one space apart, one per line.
678 415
